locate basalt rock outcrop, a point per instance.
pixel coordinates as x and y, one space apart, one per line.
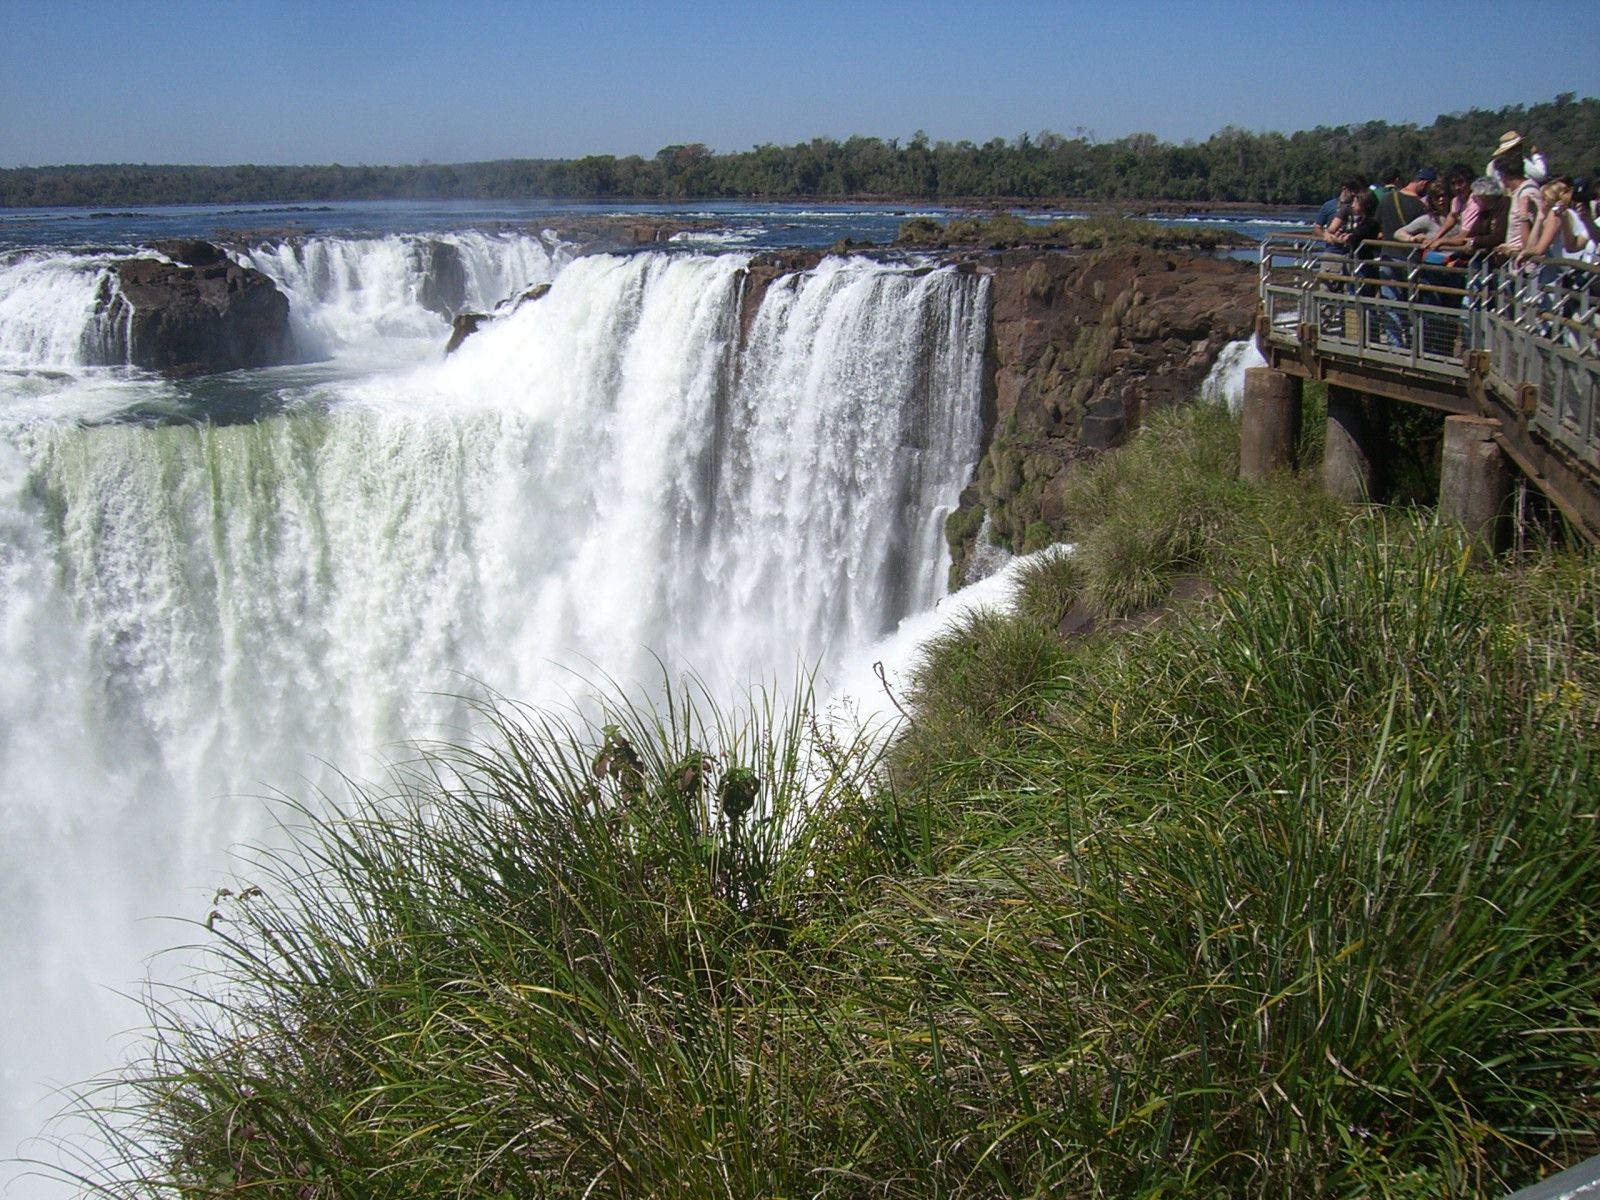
444 278
199 313
1081 347
468 323
761 273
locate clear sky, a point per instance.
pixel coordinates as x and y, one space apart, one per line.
353 81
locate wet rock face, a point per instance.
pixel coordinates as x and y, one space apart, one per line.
468 323
199 313
191 252
1083 346
444 278
464 326
762 271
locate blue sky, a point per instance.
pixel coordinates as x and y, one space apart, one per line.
280 81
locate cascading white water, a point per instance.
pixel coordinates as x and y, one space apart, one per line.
367 297
344 292
1224 383
49 312
194 614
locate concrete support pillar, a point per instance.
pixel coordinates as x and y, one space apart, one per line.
1269 423
1353 450
1475 479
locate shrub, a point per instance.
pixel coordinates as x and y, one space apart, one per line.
921 231
1050 584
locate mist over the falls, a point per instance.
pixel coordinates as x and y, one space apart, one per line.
611 482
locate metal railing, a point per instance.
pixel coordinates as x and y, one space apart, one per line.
1581 1181
1533 328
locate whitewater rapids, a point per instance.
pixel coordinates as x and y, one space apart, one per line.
612 480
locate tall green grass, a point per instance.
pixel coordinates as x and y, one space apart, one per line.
1289 894
535 965
1321 856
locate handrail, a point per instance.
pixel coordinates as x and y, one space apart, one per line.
1530 327
1582 1180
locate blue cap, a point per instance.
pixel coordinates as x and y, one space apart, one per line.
1426 174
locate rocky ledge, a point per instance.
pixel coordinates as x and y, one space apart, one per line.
200 312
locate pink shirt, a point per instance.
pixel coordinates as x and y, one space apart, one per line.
1527 209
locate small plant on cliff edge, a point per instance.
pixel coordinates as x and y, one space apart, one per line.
1037 282
1050 585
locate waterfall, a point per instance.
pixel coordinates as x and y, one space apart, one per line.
1224 383
344 292
50 312
366 297
611 475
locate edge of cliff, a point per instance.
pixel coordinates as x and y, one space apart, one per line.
1082 347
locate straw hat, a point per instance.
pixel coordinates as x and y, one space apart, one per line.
1509 140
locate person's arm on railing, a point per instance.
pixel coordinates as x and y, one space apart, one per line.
1419 230
1447 235
1587 222
1548 236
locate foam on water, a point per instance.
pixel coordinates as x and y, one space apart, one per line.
49 310
860 699
1224 383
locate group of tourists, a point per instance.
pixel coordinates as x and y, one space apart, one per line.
1404 236
1516 209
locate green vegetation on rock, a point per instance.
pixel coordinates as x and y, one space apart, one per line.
1289 892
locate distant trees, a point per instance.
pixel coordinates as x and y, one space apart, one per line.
1233 164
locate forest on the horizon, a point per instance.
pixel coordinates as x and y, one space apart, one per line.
1236 165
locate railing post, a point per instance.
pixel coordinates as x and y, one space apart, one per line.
1352 449
1269 423
1475 479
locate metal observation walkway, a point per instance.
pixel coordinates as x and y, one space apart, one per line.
1517 346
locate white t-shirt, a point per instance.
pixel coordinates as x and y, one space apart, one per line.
1574 234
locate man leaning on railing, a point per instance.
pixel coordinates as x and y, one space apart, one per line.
1527 203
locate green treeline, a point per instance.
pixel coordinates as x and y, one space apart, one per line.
1231 165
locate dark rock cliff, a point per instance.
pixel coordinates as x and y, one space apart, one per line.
199 313
764 270
1081 347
